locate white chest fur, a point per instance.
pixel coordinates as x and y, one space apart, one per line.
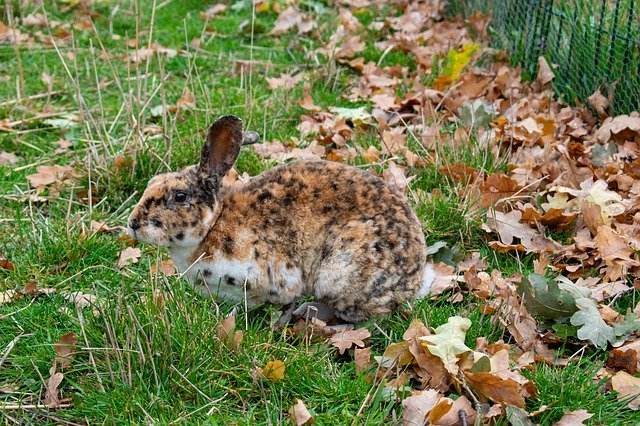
239 280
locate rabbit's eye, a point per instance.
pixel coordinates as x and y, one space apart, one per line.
180 197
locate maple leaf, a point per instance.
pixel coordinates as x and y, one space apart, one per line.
627 387
65 348
448 342
344 340
274 371
593 327
128 255
300 415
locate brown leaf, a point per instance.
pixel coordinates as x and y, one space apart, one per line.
5 264
65 348
51 396
186 101
495 388
545 75
627 387
166 267
396 177
416 408
7 296
440 410
344 340
300 415
496 187
452 417
574 418
307 101
362 359
7 158
274 371
212 11
287 81
600 103
227 333
127 256
626 357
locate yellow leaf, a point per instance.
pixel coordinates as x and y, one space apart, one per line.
456 62
274 371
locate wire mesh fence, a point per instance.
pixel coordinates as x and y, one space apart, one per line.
595 43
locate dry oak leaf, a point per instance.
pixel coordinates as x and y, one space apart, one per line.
227 333
597 192
613 248
627 386
51 396
626 357
65 348
416 407
274 371
167 267
508 227
452 416
448 342
600 103
445 278
344 340
574 418
300 415
362 358
6 296
396 177
128 255
622 126
545 74
496 389
307 101
7 158
286 81
212 11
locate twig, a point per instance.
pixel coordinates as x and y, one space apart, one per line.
32 97
10 347
204 395
32 406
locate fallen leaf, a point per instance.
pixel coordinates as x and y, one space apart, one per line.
300 415
274 371
496 388
416 407
344 340
128 255
600 103
51 396
286 81
448 342
166 267
545 74
574 418
627 387
396 177
593 327
7 296
65 348
7 158
362 359
307 101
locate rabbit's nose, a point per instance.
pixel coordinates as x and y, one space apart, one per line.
134 224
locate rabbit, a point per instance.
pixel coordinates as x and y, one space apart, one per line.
317 228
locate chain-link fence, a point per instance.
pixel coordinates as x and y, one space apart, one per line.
595 43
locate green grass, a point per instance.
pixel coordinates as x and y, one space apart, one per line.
139 362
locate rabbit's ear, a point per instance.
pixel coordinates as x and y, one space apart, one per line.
222 147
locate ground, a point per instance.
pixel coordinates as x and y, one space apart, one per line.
97 97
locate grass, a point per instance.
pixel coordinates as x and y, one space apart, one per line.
139 362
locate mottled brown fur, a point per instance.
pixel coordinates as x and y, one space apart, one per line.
320 228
